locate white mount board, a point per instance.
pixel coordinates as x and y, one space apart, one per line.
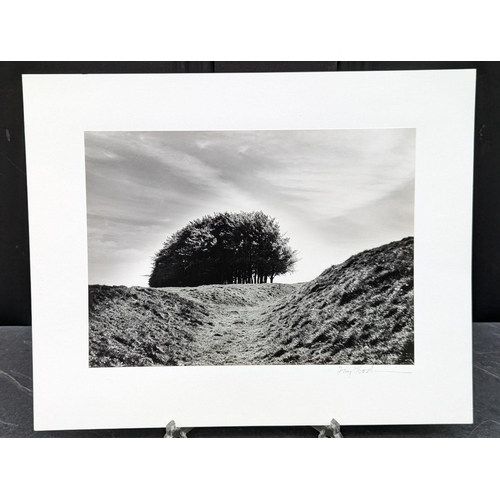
70 395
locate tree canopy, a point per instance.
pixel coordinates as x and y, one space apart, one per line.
245 247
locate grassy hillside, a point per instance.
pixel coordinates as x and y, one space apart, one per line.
156 326
359 312
236 295
141 326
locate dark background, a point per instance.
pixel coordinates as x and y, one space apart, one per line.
15 307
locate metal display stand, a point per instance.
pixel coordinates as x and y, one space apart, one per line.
328 431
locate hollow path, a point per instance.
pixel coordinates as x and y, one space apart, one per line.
234 332
232 337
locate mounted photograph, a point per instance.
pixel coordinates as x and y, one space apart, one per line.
255 247
236 240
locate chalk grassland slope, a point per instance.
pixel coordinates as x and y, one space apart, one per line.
140 326
359 312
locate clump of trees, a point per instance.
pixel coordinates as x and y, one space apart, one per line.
245 247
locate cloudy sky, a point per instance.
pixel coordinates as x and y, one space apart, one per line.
333 192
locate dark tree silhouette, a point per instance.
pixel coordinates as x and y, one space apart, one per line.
245 247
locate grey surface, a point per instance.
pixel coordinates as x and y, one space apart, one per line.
16 400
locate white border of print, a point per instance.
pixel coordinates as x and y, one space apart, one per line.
70 395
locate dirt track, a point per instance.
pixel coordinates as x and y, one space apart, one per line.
234 337
234 333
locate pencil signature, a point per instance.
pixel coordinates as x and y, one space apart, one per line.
354 370
348 371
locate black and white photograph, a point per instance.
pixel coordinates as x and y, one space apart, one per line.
251 247
250 250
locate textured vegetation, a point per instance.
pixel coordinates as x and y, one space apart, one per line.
141 326
245 247
358 312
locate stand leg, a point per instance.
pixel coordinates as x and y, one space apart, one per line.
172 431
330 431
